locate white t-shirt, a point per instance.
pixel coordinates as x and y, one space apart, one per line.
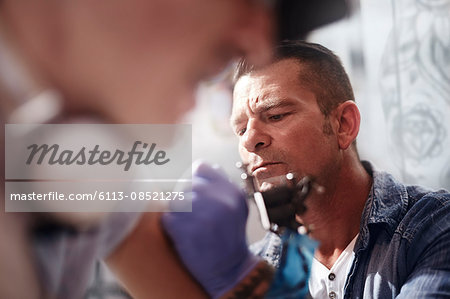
65 260
329 283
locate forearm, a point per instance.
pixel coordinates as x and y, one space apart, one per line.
148 266
254 285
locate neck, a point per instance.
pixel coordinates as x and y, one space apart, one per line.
334 217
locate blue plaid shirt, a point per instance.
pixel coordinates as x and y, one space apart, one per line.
403 248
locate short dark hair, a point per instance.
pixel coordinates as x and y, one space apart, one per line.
323 72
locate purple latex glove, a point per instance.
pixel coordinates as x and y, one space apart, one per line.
211 239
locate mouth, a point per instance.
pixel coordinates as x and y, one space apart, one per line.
269 174
263 167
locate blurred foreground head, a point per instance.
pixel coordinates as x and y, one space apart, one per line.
125 60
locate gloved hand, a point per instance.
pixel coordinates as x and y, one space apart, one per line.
211 239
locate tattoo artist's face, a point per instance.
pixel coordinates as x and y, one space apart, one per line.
141 60
280 126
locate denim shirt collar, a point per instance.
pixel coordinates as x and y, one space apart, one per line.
386 204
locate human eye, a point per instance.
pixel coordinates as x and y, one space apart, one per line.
241 131
277 117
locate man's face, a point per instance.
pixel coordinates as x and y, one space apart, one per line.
141 60
280 126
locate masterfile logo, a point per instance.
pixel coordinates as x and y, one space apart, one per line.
80 151
52 155
97 167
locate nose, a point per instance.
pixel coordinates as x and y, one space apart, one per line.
255 137
256 35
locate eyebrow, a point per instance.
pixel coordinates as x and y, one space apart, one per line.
264 107
272 104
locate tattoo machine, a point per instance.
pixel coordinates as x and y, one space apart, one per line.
278 206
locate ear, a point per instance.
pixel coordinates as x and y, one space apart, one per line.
348 117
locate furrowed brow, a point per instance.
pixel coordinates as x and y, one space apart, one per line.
263 107
269 105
